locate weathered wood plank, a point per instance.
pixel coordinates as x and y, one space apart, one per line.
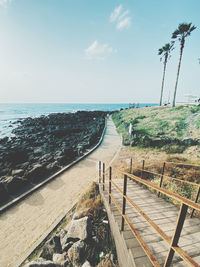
164 214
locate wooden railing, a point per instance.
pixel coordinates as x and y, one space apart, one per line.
172 242
162 176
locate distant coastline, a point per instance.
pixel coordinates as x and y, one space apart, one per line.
10 113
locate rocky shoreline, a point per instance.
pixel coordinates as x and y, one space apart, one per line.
44 145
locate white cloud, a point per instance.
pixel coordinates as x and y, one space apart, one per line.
115 14
126 12
98 51
124 24
120 16
4 3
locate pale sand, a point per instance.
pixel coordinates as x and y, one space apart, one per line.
22 225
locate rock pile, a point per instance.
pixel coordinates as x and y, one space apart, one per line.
84 242
41 146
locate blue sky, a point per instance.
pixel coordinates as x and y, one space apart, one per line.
94 51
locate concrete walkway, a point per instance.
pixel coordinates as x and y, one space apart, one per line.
22 225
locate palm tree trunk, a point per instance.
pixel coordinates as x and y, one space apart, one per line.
177 76
162 86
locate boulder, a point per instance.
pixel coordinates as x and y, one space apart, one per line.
13 184
51 247
52 167
18 172
63 238
40 262
16 155
3 193
67 246
38 151
79 229
37 172
60 259
86 264
76 253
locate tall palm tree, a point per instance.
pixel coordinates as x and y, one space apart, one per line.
184 30
164 52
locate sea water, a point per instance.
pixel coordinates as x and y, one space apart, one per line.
10 113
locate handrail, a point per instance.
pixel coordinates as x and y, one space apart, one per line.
172 242
163 191
168 177
140 240
164 236
183 164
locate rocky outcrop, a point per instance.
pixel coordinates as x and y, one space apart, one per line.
86 264
79 229
42 146
51 247
72 246
77 253
86 240
40 262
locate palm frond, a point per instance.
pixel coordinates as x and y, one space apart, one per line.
160 51
183 30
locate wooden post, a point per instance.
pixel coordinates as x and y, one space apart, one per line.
99 171
110 177
131 166
124 202
177 233
103 176
142 168
196 199
161 178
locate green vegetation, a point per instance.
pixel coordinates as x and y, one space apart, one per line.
169 129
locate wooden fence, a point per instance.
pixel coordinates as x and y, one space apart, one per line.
184 205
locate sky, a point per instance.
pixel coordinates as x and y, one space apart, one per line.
95 51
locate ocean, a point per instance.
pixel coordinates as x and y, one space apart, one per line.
10 113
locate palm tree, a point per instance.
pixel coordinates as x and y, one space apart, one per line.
184 30
165 52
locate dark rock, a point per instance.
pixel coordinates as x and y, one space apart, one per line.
18 172
3 193
13 184
51 247
43 145
36 173
67 246
4 140
17 156
52 167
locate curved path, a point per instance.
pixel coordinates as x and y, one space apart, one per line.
24 224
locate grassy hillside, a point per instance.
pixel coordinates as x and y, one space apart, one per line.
170 129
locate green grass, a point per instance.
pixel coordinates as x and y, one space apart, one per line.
164 123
